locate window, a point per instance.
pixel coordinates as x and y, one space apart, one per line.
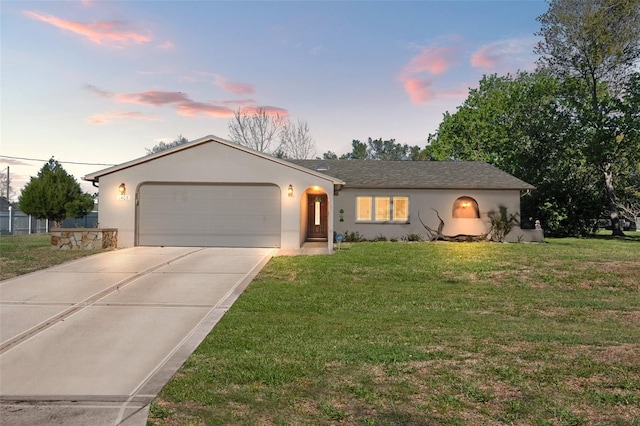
401 209
465 208
382 209
363 208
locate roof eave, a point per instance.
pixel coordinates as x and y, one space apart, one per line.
95 177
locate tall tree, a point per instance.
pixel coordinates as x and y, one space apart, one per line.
380 149
256 130
54 195
519 125
296 141
164 146
329 155
594 46
358 151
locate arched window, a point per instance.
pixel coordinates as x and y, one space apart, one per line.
466 208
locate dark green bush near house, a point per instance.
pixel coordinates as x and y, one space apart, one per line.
353 237
502 223
411 237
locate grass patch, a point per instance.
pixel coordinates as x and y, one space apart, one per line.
21 254
425 333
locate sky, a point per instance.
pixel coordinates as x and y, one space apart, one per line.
95 83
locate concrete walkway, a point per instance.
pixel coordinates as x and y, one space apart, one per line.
92 342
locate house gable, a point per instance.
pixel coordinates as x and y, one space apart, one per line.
207 166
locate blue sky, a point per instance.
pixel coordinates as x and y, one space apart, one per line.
100 81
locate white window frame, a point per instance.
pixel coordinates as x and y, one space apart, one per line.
360 215
372 214
382 212
395 202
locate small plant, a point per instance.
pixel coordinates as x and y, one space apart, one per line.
411 237
353 237
502 223
380 238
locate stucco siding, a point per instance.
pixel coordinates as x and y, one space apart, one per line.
421 202
210 162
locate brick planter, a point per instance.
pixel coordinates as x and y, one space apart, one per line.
84 238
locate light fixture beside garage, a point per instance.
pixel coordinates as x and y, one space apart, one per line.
290 190
122 192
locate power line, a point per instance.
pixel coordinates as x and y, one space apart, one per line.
61 162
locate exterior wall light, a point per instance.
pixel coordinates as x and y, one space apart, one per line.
122 189
290 190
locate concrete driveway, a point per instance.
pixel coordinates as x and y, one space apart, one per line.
93 341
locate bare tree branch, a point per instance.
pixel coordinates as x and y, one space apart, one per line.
256 130
296 141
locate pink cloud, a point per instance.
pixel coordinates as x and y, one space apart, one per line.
154 98
419 90
98 91
192 108
234 87
434 60
112 33
507 55
431 61
180 101
166 45
106 118
484 58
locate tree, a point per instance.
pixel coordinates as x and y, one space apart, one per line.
257 130
164 146
358 151
379 149
594 45
329 155
54 195
520 125
296 141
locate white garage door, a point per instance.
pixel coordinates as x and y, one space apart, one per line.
208 215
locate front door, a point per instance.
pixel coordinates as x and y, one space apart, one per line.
317 218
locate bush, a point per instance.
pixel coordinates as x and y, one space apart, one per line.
502 223
353 237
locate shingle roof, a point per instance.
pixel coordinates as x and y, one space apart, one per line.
416 174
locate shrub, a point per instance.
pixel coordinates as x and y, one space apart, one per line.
502 223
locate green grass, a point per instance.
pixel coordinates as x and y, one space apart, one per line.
21 254
425 333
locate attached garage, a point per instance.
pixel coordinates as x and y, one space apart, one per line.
208 215
210 193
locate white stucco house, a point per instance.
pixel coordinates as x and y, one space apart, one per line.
211 192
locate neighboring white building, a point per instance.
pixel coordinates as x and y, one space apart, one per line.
212 192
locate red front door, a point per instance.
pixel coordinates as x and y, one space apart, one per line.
317 218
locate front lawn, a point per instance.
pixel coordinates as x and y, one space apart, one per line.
422 334
21 254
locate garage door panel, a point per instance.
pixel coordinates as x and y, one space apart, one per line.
209 215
